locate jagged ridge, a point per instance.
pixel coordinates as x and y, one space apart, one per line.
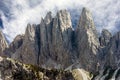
51 45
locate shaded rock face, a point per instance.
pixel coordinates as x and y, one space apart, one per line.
45 38
61 37
1 23
16 44
104 40
28 51
3 43
87 41
105 37
113 52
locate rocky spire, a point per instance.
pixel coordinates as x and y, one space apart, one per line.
87 40
48 18
61 37
113 52
3 43
45 38
62 28
55 34
86 20
105 37
16 44
28 52
44 50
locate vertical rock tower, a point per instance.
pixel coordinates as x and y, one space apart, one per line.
87 41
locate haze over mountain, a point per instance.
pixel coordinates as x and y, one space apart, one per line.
15 13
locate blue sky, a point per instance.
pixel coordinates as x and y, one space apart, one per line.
17 13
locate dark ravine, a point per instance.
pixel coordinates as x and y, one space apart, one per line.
53 44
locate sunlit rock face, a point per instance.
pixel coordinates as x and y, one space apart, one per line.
87 41
81 74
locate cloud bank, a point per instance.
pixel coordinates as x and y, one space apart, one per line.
17 13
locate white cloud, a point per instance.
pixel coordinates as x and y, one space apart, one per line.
105 13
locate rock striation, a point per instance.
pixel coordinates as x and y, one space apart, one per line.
61 38
28 51
87 41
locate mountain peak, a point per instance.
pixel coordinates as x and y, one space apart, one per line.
86 20
87 40
86 10
48 18
64 19
105 37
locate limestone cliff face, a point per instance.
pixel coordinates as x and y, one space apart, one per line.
61 37
104 40
55 39
87 41
46 34
45 38
113 51
3 43
105 37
